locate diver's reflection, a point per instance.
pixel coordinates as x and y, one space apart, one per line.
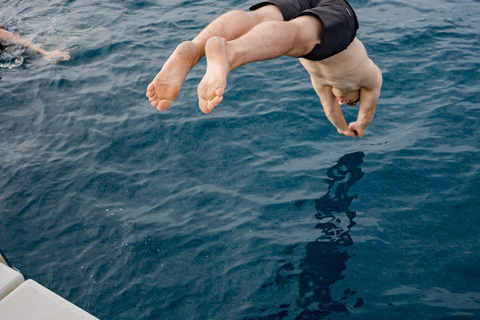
325 259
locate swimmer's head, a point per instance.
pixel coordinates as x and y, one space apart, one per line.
348 97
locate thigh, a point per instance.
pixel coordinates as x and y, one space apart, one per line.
289 8
339 27
310 29
268 12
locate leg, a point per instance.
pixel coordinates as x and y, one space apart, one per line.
166 85
268 40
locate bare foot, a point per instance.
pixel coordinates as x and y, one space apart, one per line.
211 88
166 85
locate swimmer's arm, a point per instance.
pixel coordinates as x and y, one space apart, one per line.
13 38
332 109
368 102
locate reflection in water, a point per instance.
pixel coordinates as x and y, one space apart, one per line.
325 259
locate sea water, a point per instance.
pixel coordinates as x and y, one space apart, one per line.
259 210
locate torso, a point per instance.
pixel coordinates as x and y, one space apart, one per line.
346 70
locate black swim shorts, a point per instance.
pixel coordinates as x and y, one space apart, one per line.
340 23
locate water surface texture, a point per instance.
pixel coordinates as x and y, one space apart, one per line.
259 210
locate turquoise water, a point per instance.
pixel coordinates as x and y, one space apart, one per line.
259 210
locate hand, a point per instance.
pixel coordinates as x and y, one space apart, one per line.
356 129
57 55
348 133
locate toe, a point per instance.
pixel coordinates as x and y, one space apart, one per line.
203 104
163 105
210 106
216 101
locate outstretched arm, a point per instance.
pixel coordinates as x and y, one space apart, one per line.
369 96
332 109
13 38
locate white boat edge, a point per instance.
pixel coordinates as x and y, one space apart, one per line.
22 299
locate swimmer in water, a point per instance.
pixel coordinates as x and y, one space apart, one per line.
9 38
322 34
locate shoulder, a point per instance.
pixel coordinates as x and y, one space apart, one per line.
372 76
367 72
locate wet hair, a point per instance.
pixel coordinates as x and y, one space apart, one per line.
2 46
353 103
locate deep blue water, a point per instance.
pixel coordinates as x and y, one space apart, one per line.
259 210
